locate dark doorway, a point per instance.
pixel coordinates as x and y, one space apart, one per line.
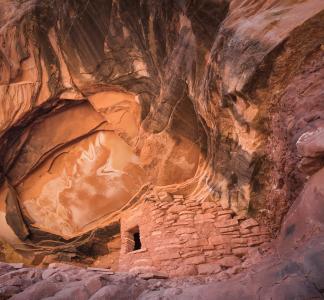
137 241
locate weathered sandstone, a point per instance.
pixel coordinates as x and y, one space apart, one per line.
149 139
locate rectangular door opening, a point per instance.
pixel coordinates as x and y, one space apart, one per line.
137 240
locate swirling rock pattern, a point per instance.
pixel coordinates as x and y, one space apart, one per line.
167 115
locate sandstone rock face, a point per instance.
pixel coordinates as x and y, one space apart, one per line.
174 138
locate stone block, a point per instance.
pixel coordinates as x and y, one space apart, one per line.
176 208
186 212
213 253
245 231
167 256
196 243
206 216
188 222
240 251
155 233
153 275
208 247
225 212
224 217
186 217
188 236
255 229
167 224
195 260
226 223
229 261
165 196
171 241
216 240
229 229
171 217
100 270
159 220
210 268
190 254
207 221
167 248
142 269
177 196
207 205
248 223
184 270
239 241
255 241
143 262
185 230
16 265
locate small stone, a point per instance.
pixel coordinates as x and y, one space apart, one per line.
153 275
207 205
190 254
164 196
154 233
171 217
159 220
241 251
197 243
224 217
229 261
167 256
184 270
248 223
207 269
216 240
143 262
245 231
171 241
185 230
255 229
204 217
142 270
226 223
196 260
186 212
239 240
176 208
58 265
17 265
101 270
228 229
225 212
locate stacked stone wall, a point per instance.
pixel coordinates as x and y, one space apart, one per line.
182 236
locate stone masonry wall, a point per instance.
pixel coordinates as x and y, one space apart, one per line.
182 236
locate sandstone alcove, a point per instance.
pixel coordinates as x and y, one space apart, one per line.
171 139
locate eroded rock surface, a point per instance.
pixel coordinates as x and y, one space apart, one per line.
166 137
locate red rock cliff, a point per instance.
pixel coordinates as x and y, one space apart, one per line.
171 136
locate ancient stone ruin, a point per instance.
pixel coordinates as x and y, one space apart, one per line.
167 149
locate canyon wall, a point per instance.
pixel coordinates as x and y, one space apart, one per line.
164 136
